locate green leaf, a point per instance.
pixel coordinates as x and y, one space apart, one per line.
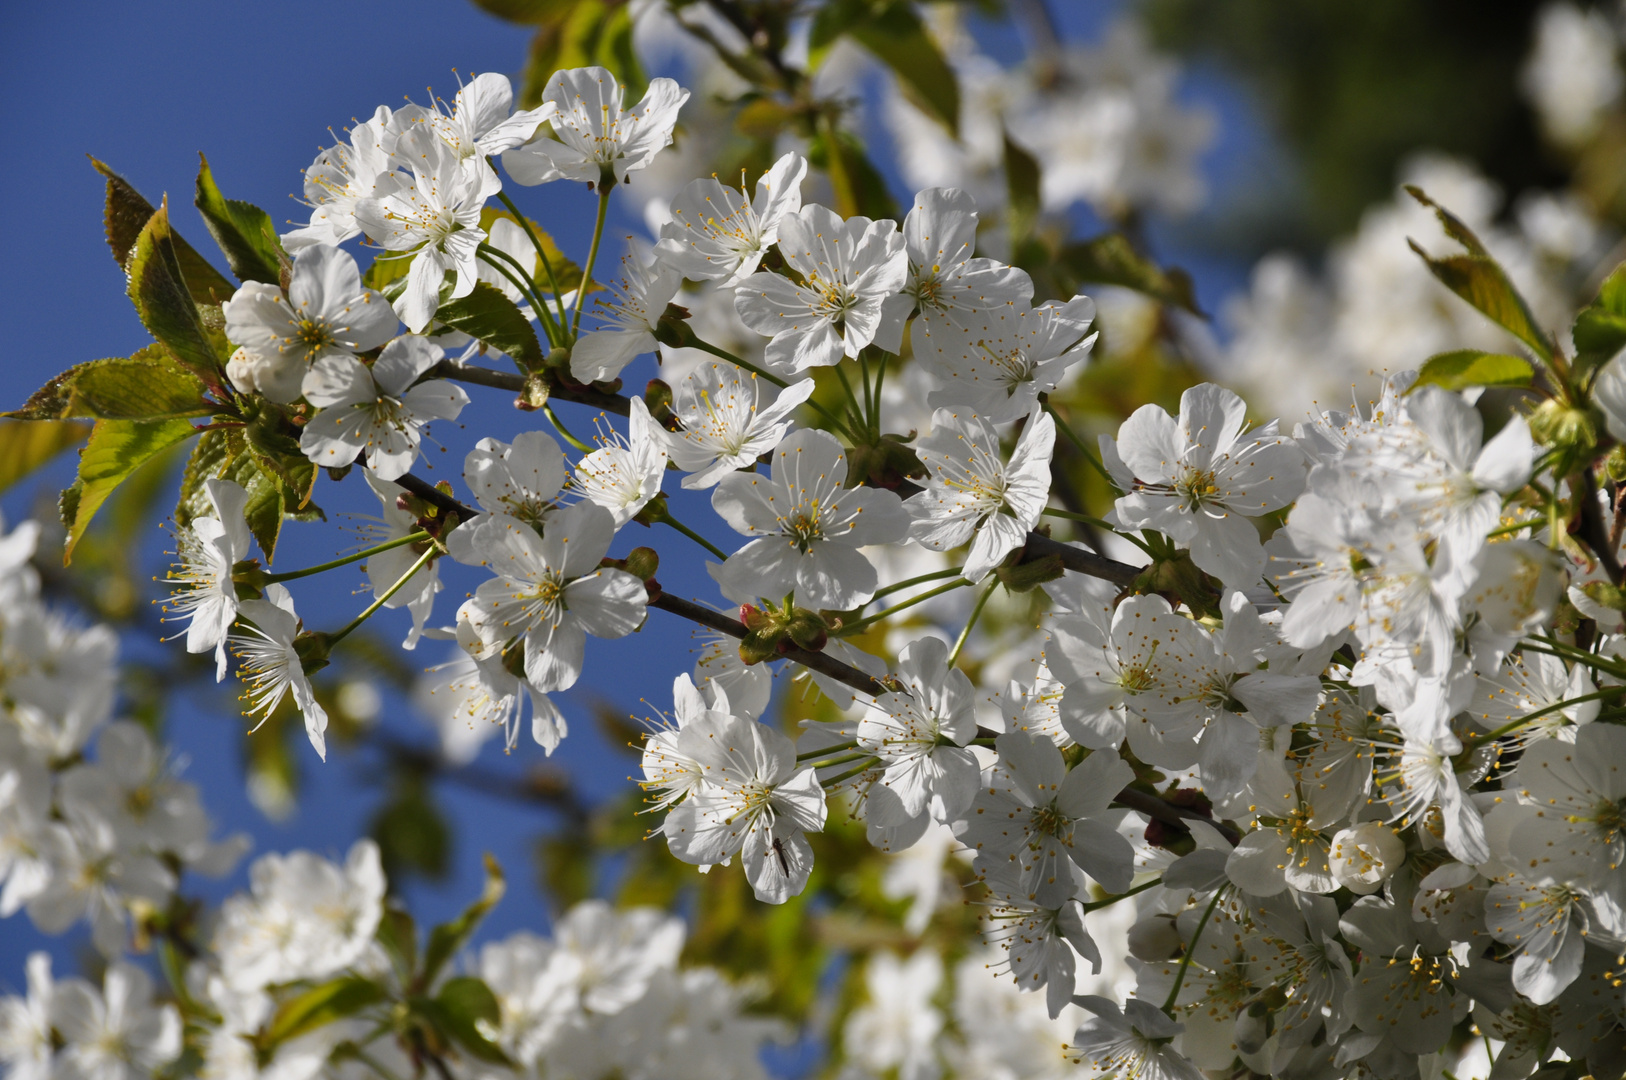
243 231
25 445
212 457
398 934
1600 329
526 11
1602 592
1111 260
319 1006
446 939
1480 280
1022 178
566 271
163 302
490 316
858 186
579 34
457 1009
1469 367
895 35
117 448
266 503
127 214
146 386
389 268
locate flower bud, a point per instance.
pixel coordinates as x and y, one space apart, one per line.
1364 856
1154 939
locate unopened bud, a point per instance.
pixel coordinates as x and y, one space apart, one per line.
1364 856
808 630
312 648
642 563
534 394
1154 939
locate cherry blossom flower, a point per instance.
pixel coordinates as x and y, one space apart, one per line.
434 221
1006 357
716 235
724 426
625 473
809 527
377 411
271 665
549 591
327 313
521 479
973 496
754 802
1199 478
482 122
595 139
640 298
848 270
919 734
208 549
343 175
386 568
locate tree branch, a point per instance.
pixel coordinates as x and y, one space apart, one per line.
503 380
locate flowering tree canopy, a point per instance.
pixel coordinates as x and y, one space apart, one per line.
1286 745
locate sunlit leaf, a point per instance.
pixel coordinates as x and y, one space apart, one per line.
243 231
1469 367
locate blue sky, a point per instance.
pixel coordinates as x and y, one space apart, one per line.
145 88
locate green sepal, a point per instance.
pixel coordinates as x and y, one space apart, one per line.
243 231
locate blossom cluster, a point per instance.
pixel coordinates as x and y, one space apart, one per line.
1347 730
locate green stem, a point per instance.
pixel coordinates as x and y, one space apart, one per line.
564 432
857 756
1565 652
1082 448
1068 515
854 627
340 635
836 748
668 519
880 379
935 575
976 613
1097 905
1471 744
373 1063
869 402
1185 959
592 257
399 541
855 771
526 287
852 400
541 253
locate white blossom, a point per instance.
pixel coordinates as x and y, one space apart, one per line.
595 139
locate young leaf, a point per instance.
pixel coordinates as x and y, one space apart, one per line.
456 1010
265 500
243 231
579 34
1480 280
490 316
1600 328
1470 367
127 214
446 939
116 449
398 934
319 1006
162 300
1022 178
25 445
211 458
896 36
858 186
1110 260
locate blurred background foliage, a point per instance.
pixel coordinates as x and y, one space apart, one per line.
1319 107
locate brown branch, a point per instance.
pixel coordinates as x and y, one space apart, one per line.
503 380
1594 531
1154 807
